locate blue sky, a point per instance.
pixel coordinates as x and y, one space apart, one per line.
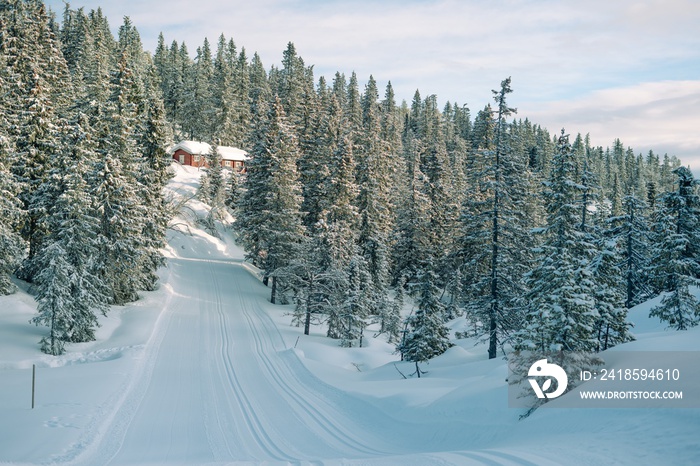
614 69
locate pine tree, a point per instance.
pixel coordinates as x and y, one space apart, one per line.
35 95
117 195
11 212
339 254
199 118
561 313
69 289
314 167
631 233
214 195
427 336
355 305
611 326
153 176
241 101
374 197
494 233
270 220
440 189
411 231
224 95
676 253
233 191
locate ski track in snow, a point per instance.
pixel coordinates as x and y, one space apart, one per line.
238 394
217 385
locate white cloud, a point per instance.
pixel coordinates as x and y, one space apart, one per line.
660 116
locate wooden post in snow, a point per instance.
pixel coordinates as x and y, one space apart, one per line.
33 382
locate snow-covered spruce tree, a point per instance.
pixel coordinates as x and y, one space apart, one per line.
374 180
226 115
411 218
153 177
215 183
52 301
321 274
611 326
561 320
339 252
140 139
314 167
115 202
313 283
458 150
392 132
391 321
199 119
427 335
290 88
233 191
36 91
675 255
631 233
270 220
38 139
11 215
69 289
172 64
241 87
561 313
258 170
115 191
495 236
440 189
355 305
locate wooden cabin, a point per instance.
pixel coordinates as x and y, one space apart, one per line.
196 154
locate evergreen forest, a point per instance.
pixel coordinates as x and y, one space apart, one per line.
358 209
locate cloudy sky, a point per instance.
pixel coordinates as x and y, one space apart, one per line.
627 69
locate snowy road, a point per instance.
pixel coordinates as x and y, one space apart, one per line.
220 386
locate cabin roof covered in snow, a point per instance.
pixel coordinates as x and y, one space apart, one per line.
202 148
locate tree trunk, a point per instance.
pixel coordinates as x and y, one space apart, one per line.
307 321
493 317
273 293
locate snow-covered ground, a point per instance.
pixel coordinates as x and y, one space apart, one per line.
206 371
